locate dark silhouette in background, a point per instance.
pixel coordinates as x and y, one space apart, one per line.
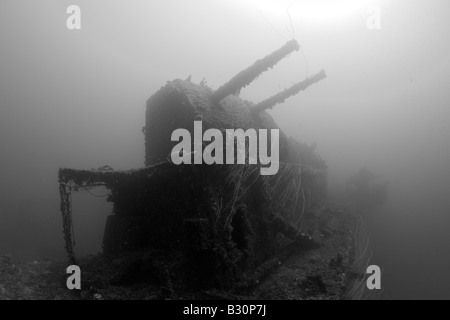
365 189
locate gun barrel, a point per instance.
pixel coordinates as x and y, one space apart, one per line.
292 91
247 76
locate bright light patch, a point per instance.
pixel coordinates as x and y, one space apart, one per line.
311 10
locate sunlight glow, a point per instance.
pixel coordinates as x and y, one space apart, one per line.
311 10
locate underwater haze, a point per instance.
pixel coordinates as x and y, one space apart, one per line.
76 98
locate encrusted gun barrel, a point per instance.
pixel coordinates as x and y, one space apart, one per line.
247 76
282 96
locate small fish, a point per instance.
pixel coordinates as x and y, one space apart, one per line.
97 296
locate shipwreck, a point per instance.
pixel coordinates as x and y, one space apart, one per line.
215 222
